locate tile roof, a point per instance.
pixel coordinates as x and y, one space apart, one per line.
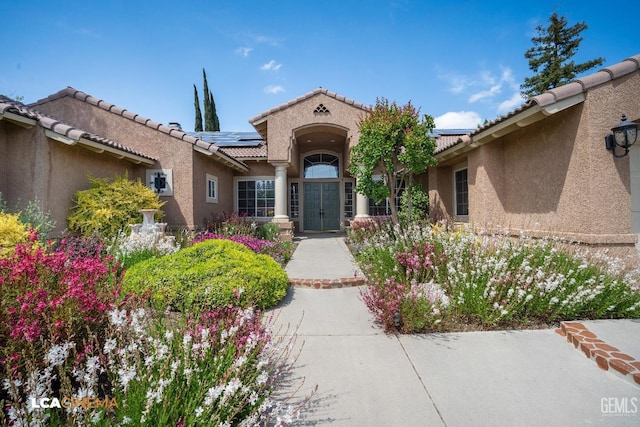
446 138
308 95
8 105
171 131
247 153
558 94
240 145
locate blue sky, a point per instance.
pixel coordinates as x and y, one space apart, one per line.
460 62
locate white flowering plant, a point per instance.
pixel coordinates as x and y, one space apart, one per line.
428 277
217 368
76 350
132 248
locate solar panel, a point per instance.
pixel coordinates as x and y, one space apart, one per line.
230 139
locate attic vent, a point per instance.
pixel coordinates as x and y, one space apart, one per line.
321 109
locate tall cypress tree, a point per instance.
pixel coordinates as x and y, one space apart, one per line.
208 112
214 114
550 56
196 102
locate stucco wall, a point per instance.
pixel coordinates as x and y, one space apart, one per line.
281 123
553 175
203 165
172 153
440 192
3 156
36 167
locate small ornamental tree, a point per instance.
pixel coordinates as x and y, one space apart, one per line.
394 143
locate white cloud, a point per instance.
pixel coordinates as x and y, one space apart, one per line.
457 83
509 104
489 93
243 51
262 39
484 86
458 120
272 90
271 65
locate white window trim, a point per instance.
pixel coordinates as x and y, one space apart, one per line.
168 174
212 178
455 193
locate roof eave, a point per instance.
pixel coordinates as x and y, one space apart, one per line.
19 120
531 115
223 158
99 148
525 118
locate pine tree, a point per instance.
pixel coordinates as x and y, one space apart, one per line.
196 101
550 56
208 112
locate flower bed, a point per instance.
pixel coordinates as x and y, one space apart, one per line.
76 350
431 278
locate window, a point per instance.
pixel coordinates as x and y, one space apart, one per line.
294 200
212 189
160 181
383 208
321 165
348 199
256 198
462 192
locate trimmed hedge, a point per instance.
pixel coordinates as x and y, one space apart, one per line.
209 274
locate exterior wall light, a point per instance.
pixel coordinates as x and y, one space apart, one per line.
624 136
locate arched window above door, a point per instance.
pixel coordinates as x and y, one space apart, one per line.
321 166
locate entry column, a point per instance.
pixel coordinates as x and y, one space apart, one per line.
362 207
280 214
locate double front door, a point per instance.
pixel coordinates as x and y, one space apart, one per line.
321 206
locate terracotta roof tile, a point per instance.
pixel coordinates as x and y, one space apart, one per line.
61 128
307 96
173 132
627 66
259 152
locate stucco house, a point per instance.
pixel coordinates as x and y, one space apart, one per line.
542 167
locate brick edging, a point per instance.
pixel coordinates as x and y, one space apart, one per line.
605 355
327 283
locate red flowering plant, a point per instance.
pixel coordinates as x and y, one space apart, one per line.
49 297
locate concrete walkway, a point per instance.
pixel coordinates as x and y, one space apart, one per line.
505 378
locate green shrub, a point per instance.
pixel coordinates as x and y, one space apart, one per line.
110 206
209 274
230 224
419 204
269 231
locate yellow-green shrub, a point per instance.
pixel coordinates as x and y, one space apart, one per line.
209 274
12 232
110 206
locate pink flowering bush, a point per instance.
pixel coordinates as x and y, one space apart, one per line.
256 244
52 296
67 332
